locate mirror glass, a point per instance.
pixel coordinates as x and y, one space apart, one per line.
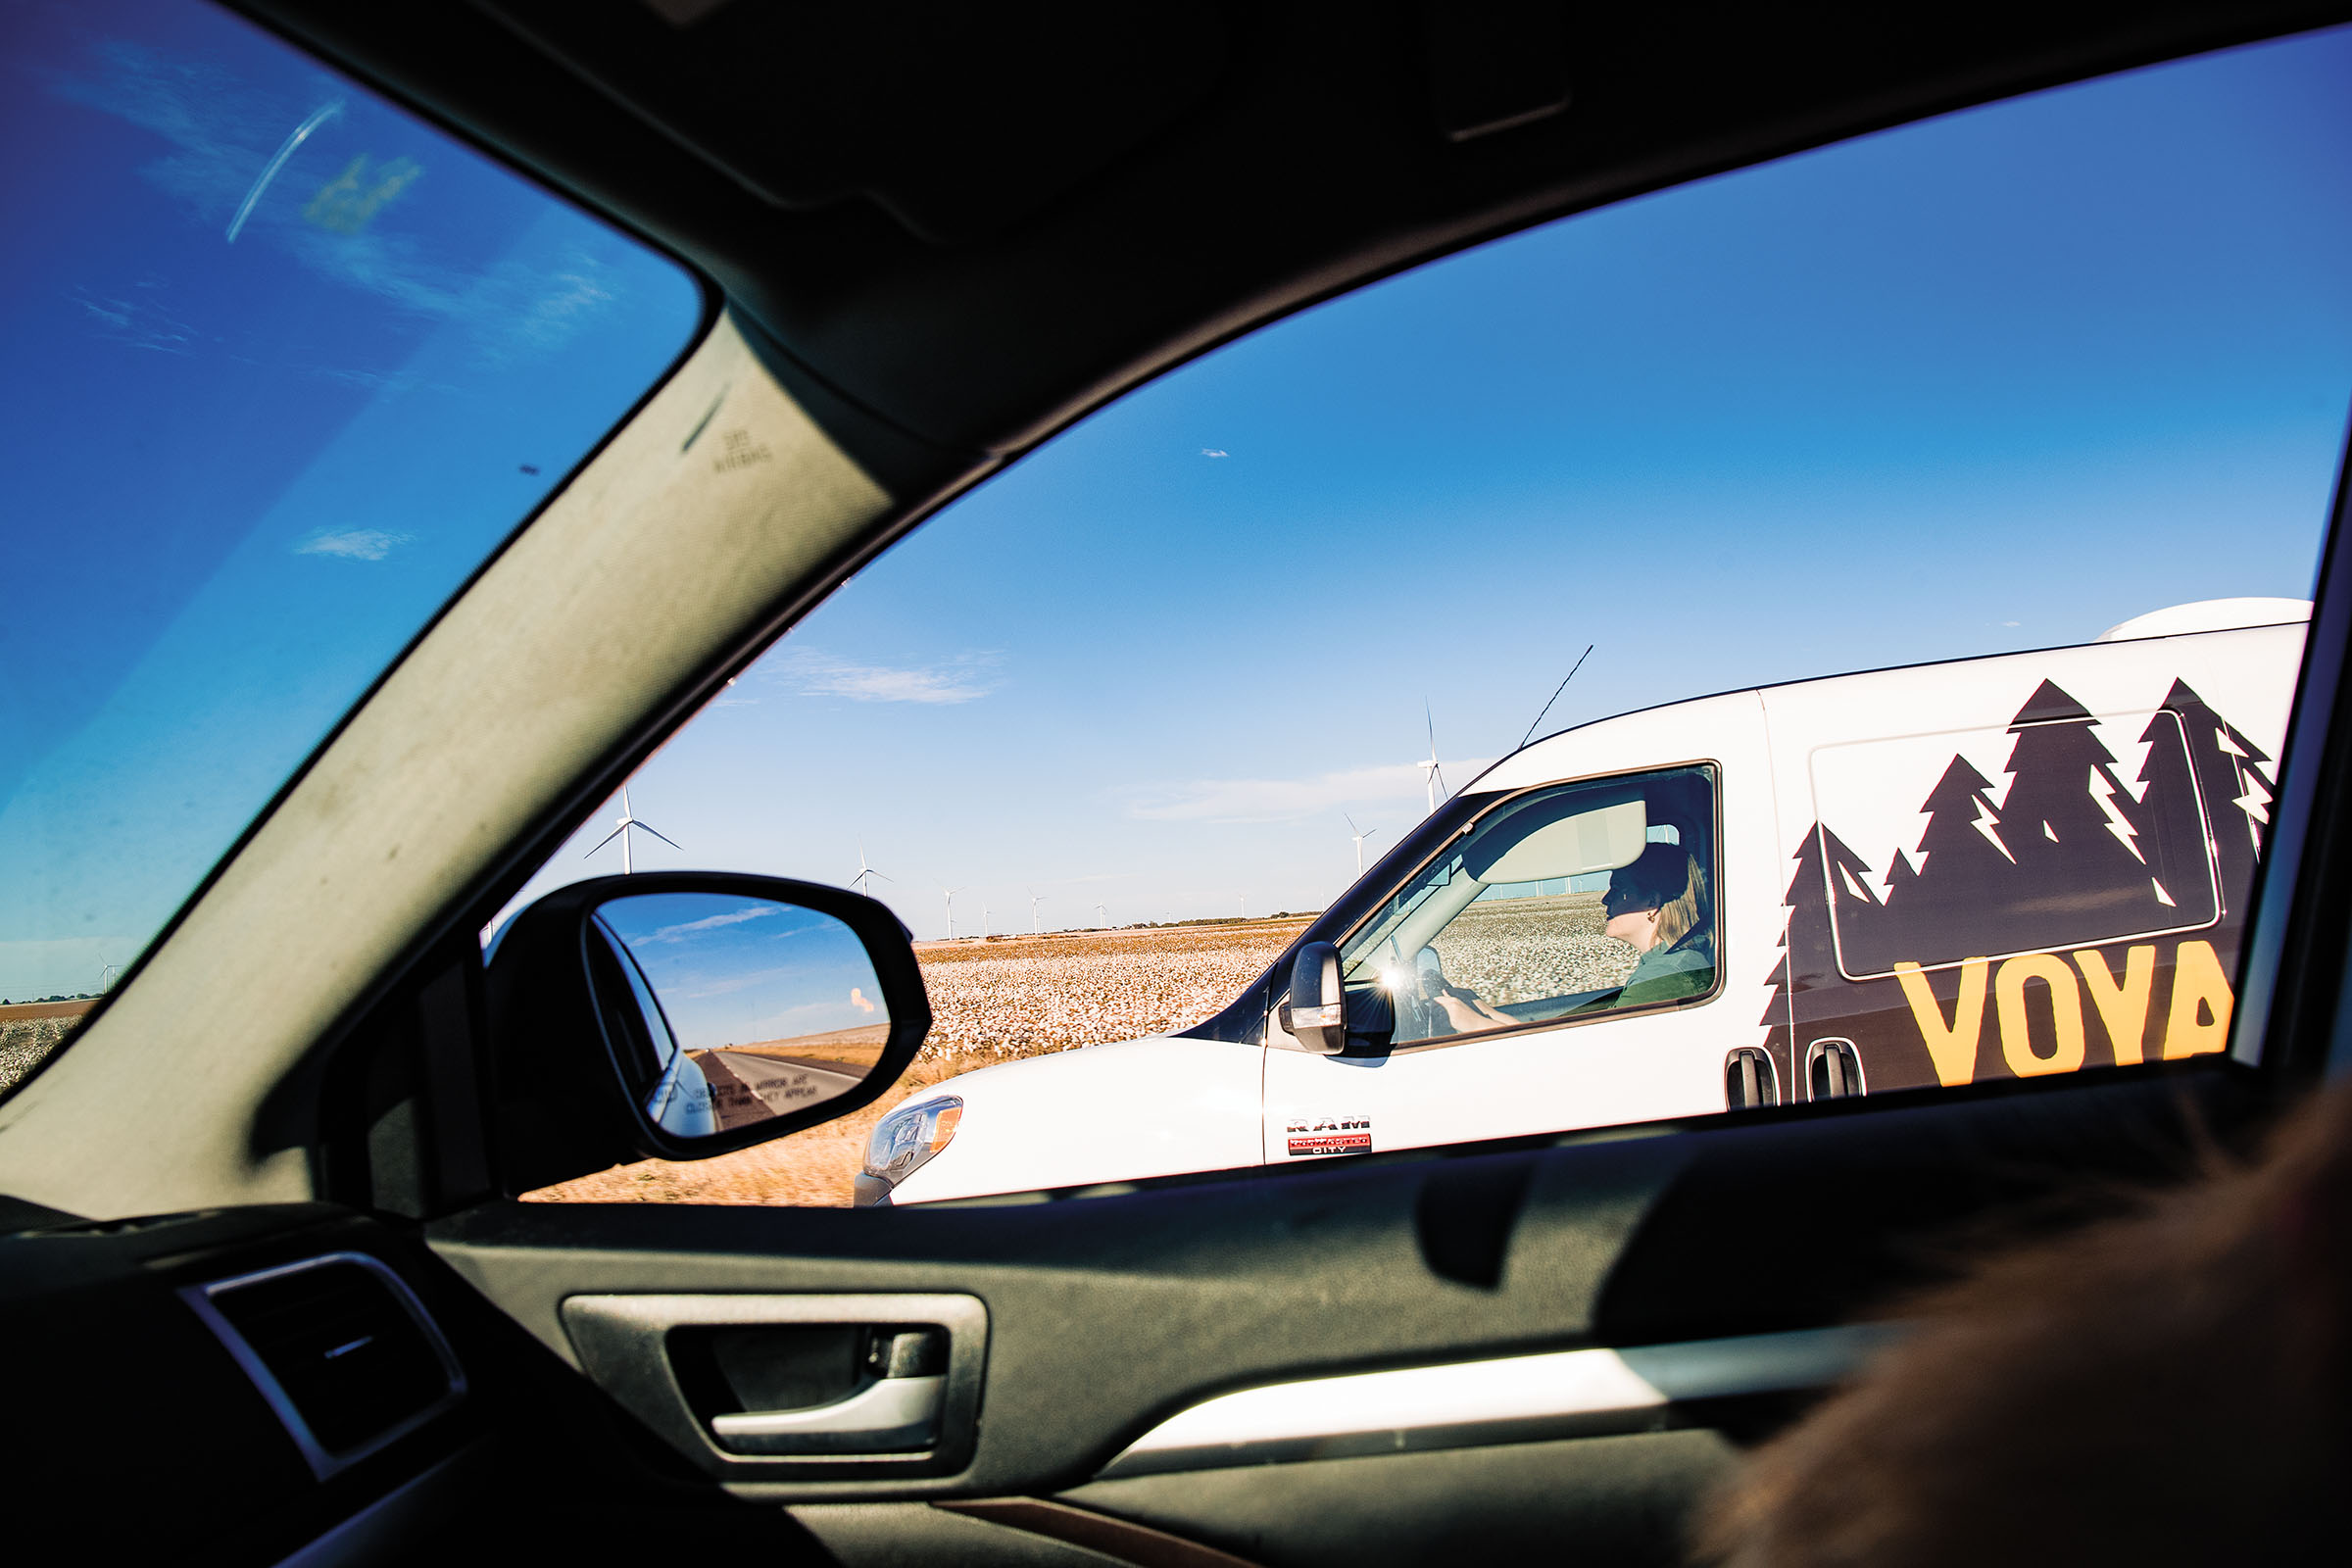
729 1009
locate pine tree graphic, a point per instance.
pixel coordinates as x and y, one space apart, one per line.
2237 791
1852 907
2180 865
1828 877
1964 865
2072 828
1804 932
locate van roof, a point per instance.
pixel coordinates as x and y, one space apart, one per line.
2209 615
2175 620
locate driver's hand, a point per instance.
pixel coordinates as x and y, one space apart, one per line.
1465 1017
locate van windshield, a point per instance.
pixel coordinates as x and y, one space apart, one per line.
287 366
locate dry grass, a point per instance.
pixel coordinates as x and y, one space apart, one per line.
990 1002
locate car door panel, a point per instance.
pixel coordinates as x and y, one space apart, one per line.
1109 1315
1615 1500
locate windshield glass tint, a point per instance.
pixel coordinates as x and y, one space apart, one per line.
285 366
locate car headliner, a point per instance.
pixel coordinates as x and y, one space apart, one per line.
1295 154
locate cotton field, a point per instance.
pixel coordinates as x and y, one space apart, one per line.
24 1041
1526 950
998 1001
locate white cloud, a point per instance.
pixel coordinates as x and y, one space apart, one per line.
137 323
1214 452
814 674
352 544
1284 800
711 922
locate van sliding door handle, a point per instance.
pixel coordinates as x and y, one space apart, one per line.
1833 1069
1751 1078
887 1414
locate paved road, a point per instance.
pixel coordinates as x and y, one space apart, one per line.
770 1086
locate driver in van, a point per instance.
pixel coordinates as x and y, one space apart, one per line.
1659 906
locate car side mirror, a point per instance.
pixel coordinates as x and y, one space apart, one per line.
686 1014
1322 1014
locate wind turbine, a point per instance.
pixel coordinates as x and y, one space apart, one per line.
628 820
1033 901
1436 775
950 893
1361 834
862 881
1245 905
1101 916
984 919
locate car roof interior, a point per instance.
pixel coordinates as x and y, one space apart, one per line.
961 227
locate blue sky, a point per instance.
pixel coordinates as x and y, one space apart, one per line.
1994 381
736 971
237 474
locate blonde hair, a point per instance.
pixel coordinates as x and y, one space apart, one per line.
1679 917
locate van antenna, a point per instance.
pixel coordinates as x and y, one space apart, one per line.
1555 696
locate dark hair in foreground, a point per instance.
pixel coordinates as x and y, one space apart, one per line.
2166 1388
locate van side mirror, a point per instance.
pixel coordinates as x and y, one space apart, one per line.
1322 1014
686 1014
1317 1015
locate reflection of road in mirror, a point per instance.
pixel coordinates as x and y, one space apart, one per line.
775 1008
775 1077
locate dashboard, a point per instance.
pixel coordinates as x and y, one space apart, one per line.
272 1384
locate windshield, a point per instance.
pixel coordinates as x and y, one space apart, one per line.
286 366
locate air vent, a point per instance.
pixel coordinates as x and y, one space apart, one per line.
340 1349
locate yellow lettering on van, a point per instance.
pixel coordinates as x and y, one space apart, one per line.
2198 983
2066 1012
2123 1008
1951 1046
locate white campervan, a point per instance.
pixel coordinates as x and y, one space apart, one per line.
1988 868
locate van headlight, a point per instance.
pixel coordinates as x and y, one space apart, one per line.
902 1141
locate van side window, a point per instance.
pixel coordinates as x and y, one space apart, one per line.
2086 848
1558 903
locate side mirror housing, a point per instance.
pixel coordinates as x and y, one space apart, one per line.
1322 1016
1317 1015
683 1015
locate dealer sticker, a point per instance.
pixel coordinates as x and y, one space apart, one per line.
1329 1135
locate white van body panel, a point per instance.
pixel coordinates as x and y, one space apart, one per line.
1840 921
1156 1107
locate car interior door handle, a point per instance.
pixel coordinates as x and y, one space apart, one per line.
760 1385
890 1413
